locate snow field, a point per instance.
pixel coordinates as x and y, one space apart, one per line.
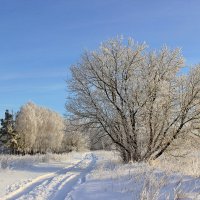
92 176
54 185
18 171
135 181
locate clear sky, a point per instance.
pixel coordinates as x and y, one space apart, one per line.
40 39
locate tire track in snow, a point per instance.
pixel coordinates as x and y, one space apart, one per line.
69 186
54 185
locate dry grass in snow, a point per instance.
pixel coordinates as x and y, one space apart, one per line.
12 161
188 164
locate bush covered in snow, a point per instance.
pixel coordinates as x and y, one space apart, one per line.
75 141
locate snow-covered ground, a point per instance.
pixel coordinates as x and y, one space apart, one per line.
90 176
40 176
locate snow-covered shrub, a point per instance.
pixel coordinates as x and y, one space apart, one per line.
75 141
4 162
152 185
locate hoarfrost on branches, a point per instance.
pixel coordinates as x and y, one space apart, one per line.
135 96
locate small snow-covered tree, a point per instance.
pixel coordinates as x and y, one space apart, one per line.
135 96
40 129
8 135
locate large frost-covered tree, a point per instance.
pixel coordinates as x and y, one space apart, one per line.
40 129
135 96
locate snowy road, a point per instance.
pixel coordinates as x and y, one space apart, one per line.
55 186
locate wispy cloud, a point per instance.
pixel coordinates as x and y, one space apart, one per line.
26 88
33 75
7 106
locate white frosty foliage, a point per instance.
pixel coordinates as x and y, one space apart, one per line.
136 97
40 129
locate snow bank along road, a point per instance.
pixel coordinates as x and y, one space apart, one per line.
55 186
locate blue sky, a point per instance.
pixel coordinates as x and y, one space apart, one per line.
40 39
